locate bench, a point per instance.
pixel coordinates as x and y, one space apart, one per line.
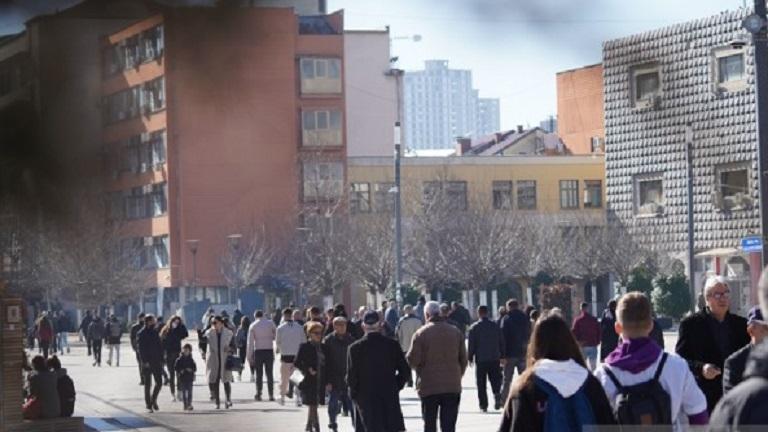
61 424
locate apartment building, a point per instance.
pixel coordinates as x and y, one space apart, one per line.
697 74
580 119
211 137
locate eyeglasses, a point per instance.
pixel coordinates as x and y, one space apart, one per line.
721 295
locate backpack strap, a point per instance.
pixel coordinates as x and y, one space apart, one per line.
659 369
613 378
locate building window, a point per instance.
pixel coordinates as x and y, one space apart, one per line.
360 198
133 51
732 188
153 95
159 250
320 75
649 195
593 194
646 85
321 128
502 195
526 194
153 43
140 202
383 198
142 153
597 144
729 69
323 180
456 195
569 194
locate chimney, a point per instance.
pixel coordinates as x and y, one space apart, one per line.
499 137
463 145
519 129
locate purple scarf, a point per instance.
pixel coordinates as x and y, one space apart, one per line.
634 355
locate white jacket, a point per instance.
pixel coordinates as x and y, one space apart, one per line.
261 336
289 336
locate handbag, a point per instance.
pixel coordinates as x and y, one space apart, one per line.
233 364
32 409
296 377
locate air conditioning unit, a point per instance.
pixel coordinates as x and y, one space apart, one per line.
744 201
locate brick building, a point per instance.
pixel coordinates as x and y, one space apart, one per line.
580 115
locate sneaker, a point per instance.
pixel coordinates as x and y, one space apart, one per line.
333 427
298 402
191 408
150 410
228 404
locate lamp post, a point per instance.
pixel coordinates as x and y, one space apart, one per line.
691 250
398 139
234 244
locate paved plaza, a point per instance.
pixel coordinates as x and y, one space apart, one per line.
111 399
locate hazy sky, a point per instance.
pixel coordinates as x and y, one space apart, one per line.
515 47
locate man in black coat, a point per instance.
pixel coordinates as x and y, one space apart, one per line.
376 372
486 345
84 325
735 365
710 336
335 348
135 329
151 355
516 328
745 405
609 340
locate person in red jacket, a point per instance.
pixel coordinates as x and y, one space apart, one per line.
586 329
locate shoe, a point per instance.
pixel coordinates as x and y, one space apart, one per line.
253 378
333 427
213 398
67 350
94 364
497 405
271 398
173 398
257 398
218 407
154 405
484 410
228 404
109 362
191 408
150 410
290 395
282 400
345 414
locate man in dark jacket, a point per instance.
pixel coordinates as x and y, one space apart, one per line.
96 333
84 324
151 355
376 372
135 329
708 337
516 328
486 345
733 372
744 406
335 347
460 315
609 340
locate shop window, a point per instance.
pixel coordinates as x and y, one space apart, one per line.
502 195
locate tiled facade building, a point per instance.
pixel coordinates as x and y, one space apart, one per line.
701 74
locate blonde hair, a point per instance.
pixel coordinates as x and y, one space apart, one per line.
633 311
311 325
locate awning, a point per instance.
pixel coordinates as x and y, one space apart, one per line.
718 252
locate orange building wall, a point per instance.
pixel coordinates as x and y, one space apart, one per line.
580 113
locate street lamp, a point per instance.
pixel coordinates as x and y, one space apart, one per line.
691 232
398 138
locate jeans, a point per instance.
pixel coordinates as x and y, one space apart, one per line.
264 361
491 371
63 341
96 346
336 400
509 372
170 363
116 349
447 404
185 388
150 373
590 356
286 369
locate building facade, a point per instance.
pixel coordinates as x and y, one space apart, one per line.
580 115
658 84
440 104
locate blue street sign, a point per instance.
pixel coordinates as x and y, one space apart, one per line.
752 244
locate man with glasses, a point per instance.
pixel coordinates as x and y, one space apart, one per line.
710 336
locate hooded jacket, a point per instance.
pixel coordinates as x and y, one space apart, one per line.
525 409
745 404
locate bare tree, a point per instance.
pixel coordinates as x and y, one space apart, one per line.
372 252
246 260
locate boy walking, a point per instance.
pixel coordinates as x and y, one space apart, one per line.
185 368
645 384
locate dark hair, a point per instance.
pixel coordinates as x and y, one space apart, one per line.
245 322
482 310
512 304
314 310
53 362
551 339
612 304
141 316
218 318
259 313
287 311
187 346
329 311
422 299
528 310
534 315
38 363
584 305
148 318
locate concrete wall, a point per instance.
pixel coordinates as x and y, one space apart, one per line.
371 97
580 114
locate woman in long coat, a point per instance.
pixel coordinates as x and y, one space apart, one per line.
310 361
219 347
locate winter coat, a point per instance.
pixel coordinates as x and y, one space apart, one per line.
376 373
97 330
185 366
586 329
745 404
150 348
439 357
237 317
657 334
66 389
609 340
114 332
290 335
392 317
735 364
218 350
462 318
406 328
45 331
312 389
135 329
516 327
486 343
335 350
44 387
174 337
85 323
697 345
241 338
525 410
63 324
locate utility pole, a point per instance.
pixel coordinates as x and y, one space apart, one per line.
691 232
756 24
398 138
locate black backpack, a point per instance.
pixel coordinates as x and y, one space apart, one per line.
66 389
646 403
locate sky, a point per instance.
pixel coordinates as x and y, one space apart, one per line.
513 47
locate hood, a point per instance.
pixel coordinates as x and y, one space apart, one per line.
634 355
566 376
61 372
757 364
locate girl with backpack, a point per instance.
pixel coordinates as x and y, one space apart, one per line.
556 393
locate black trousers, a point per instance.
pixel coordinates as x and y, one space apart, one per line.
88 342
447 405
264 361
141 371
488 371
96 345
45 347
170 363
150 373
214 388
